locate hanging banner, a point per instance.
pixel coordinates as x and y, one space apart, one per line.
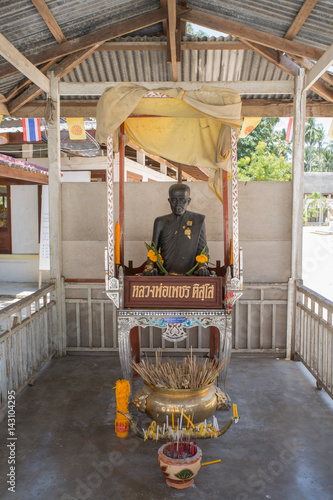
249 124
44 247
76 129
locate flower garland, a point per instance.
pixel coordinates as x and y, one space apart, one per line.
201 259
154 256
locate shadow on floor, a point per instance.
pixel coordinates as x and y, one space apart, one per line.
66 447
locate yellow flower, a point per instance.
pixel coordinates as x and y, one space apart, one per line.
160 256
201 258
152 256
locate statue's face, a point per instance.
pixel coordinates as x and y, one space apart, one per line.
179 201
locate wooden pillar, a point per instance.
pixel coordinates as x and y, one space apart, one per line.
180 172
122 190
226 235
297 207
55 207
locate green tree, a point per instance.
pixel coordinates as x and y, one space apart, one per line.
327 158
263 165
265 132
314 135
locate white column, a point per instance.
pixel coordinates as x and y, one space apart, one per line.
140 158
297 207
163 169
53 122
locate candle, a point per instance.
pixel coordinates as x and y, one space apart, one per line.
235 413
167 421
181 420
106 268
117 244
157 434
173 421
213 462
163 429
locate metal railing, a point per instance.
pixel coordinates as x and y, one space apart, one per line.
28 338
260 319
314 336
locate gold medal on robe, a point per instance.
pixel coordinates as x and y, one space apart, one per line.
189 223
187 233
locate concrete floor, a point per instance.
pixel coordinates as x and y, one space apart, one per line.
11 292
66 448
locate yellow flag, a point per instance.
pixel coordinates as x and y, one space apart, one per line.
330 132
248 125
76 129
1 116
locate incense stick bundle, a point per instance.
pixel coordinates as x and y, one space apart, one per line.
192 373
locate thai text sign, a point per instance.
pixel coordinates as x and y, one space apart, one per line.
173 291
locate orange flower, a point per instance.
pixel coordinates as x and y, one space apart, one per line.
152 256
201 258
162 260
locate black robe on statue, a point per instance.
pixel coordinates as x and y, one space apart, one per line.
180 240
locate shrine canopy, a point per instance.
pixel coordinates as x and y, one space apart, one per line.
189 127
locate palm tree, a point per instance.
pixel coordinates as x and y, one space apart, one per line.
314 135
327 159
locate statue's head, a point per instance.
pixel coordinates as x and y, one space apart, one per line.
179 198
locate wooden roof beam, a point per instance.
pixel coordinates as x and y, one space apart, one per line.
244 32
218 45
60 70
290 67
15 58
250 107
91 39
319 68
300 19
49 20
172 33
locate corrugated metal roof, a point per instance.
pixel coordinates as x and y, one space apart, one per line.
275 17
195 66
24 27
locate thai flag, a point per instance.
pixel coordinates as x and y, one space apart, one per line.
31 129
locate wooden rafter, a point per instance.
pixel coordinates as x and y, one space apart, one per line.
319 68
129 46
300 19
250 107
49 20
250 34
288 66
172 19
11 54
60 70
91 39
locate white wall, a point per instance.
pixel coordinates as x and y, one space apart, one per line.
264 225
24 215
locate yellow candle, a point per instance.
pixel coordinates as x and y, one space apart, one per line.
213 462
173 421
235 413
117 244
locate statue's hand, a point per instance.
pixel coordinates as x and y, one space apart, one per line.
202 271
149 270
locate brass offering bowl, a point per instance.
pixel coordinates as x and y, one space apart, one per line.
197 404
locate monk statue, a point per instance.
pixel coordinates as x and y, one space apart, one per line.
180 236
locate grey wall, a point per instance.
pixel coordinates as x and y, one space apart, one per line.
264 225
322 182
